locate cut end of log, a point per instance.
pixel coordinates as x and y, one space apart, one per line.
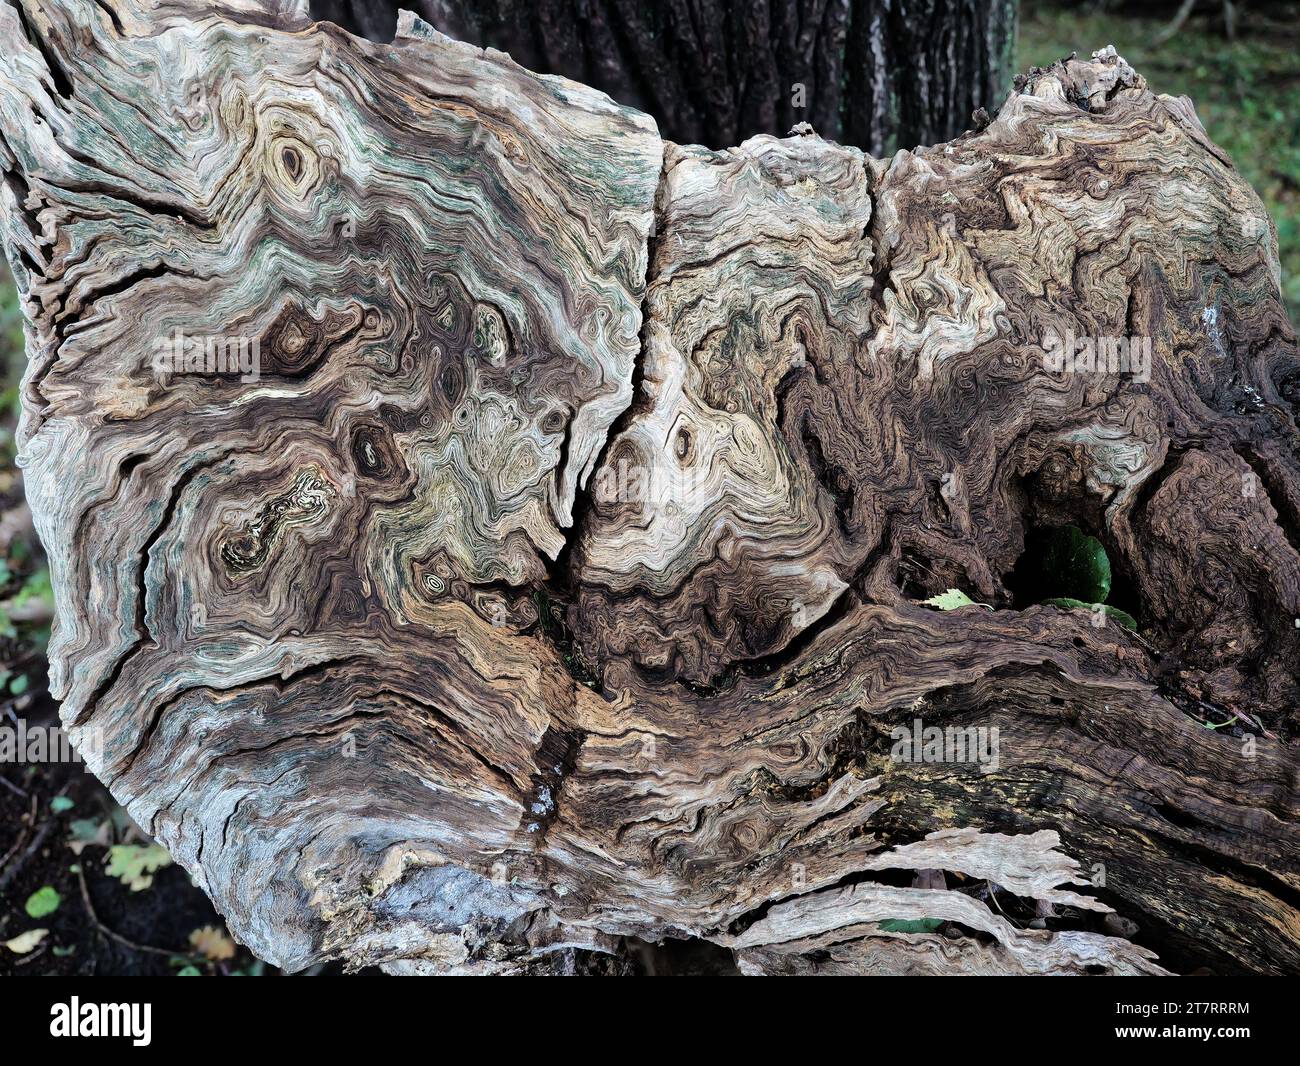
485 533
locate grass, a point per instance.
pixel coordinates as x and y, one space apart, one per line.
23 575
1246 92
11 338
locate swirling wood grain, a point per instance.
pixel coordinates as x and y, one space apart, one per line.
552 582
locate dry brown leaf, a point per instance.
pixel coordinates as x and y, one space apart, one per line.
213 943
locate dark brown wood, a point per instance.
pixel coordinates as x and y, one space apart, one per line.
870 73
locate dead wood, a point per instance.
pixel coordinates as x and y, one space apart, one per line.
552 583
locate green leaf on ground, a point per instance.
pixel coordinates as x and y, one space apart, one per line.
43 901
85 831
134 864
36 587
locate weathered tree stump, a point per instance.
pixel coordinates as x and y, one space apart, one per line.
538 570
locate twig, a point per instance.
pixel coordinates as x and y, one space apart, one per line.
22 839
993 895
23 699
15 789
1240 716
30 958
118 937
12 871
1180 18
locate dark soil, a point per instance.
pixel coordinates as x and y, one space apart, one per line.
152 926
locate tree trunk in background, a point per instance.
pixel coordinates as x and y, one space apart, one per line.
718 71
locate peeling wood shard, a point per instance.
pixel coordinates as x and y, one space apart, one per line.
485 534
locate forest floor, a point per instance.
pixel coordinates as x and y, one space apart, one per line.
109 901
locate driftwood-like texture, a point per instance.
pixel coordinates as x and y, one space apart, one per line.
553 583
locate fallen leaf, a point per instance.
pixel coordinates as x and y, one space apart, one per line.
951 600
45 900
86 831
134 865
212 943
26 942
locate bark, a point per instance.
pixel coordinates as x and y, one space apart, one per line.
554 587
866 72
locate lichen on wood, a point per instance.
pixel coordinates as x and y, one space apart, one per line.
541 572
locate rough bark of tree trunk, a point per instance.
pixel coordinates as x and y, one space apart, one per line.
865 72
553 584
